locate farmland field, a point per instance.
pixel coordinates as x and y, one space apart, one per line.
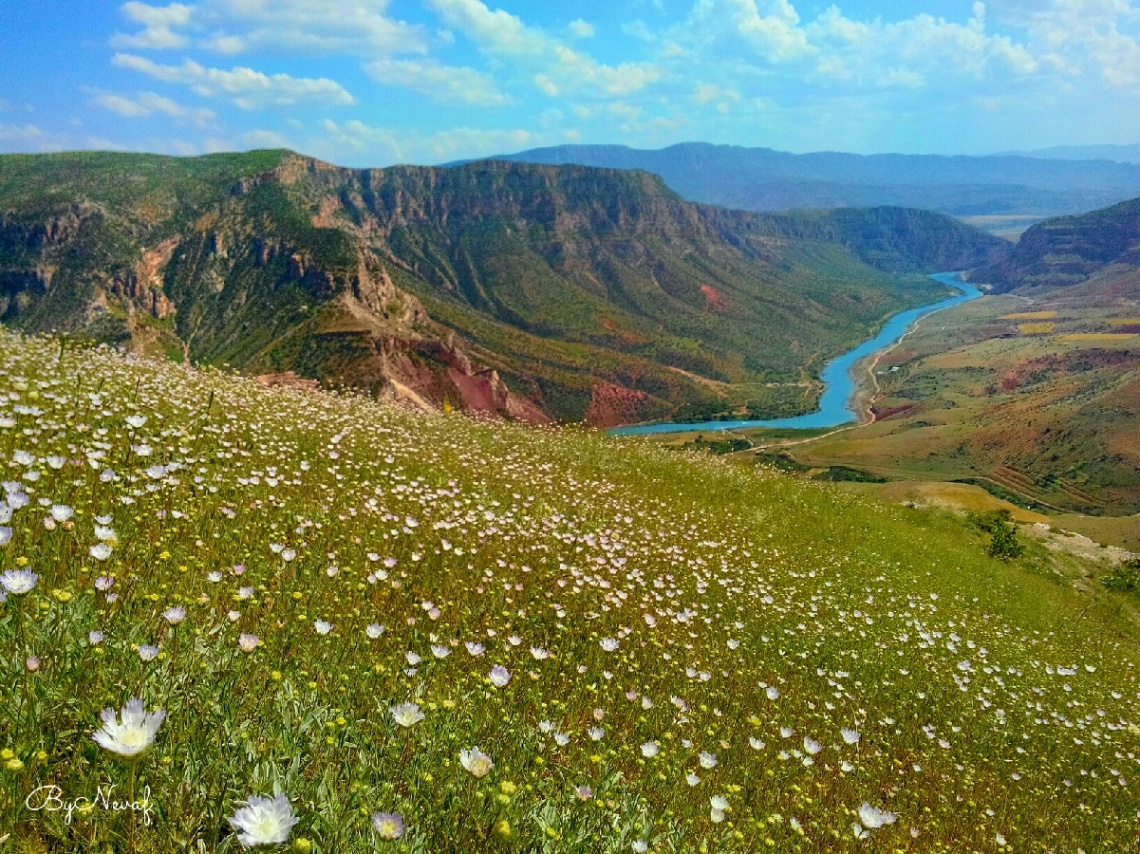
1040 411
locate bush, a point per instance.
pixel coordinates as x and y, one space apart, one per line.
1004 544
1126 578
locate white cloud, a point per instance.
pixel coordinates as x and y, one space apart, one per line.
581 29
556 68
20 133
30 138
214 145
149 103
496 31
772 33
249 89
836 26
903 77
708 92
358 27
778 33
384 146
1075 35
158 26
122 106
225 44
920 51
266 139
174 15
551 118
576 70
443 83
546 84
626 111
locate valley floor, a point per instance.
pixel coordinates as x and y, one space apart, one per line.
1033 399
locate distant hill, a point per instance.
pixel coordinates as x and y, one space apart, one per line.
1117 153
1069 250
760 179
528 291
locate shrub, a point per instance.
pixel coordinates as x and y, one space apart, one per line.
1126 578
1004 544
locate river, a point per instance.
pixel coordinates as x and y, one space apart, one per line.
837 404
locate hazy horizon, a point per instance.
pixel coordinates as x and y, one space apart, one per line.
375 82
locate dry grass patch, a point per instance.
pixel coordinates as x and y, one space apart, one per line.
1031 315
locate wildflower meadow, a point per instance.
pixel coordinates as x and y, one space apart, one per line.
237 618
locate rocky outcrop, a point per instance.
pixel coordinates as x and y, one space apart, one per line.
442 372
142 285
611 405
288 379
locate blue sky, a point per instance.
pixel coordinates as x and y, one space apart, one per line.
375 82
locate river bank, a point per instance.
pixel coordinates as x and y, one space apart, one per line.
842 402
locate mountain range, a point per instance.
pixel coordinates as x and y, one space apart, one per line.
761 179
534 292
1118 153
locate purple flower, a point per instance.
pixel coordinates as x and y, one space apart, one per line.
389 825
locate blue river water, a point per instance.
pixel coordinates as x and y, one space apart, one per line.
836 405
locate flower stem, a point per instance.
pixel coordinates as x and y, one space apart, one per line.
22 650
132 768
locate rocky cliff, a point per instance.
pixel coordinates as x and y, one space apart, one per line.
521 291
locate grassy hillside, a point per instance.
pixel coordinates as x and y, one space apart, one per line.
526 291
656 651
152 181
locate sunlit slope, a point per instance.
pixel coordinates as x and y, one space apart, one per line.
678 644
1038 398
534 292
1069 250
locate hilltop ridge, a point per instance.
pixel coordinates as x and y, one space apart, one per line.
1069 250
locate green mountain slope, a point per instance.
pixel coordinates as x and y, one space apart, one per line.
528 291
1069 250
649 648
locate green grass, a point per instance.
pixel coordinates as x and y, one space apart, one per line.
43 181
716 581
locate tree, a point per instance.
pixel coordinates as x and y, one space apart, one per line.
1004 544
